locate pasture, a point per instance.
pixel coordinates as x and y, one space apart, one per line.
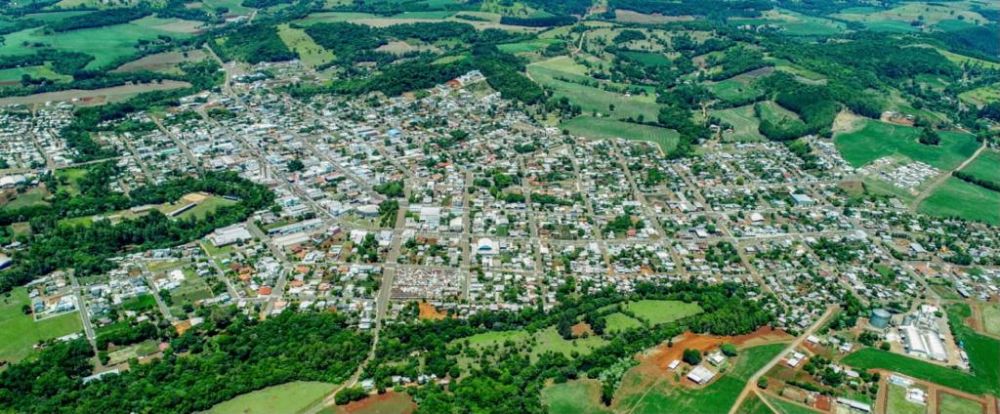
733 90
877 139
900 17
657 312
986 166
957 198
666 396
309 52
991 318
602 128
581 396
775 113
982 95
19 332
744 122
285 398
753 405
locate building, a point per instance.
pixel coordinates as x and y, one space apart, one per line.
487 247
802 200
229 235
701 375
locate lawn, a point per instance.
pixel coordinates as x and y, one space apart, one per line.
877 139
309 52
285 398
961 199
19 332
574 397
618 322
986 166
662 311
898 404
603 128
952 404
717 397
744 122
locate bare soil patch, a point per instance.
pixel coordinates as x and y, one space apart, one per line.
429 312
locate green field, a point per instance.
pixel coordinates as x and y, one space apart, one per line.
717 397
957 198
870 358
648 58
986 166
982 95
19 332
952 404
285 398
898 404
546 340
991 318
744 121
662 311
309 52
563 76
775 113
877 139
36 72
526 46
208 205
603 128
753 405
34 196
620 322
106 44
787 407
574 397
733 90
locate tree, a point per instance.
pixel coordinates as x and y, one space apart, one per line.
929 137
728 349
692 356
296 165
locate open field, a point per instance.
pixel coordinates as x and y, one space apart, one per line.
952 404
309 52
982 95
878 139
620 322
403 18
795 24
787 407
285 398
527 46
744 122
166 62
662 311
898 404
986 166
388 403
34 196
773 112
870 358
601 128
106 44
991 318
753 405
19 332
901 16
961 199
544 341
14 75
665 396
574 397
98 95
562 75
733 90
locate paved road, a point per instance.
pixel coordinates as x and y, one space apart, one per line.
752 382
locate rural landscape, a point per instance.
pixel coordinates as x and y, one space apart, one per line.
500 206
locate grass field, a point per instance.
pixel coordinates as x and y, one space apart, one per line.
982 95
929 13
773 112
986 166
547 340
877 139
753 405
561 75
602 128
285 398
785 407
210 204
991 318
106 44
34 196
957 198
952 404
744 121
36 72
717 397
620 322
574 397
869 358
898 404
733 90
662 311
527 46
309 52
19 332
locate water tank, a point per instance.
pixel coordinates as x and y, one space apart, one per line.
880 318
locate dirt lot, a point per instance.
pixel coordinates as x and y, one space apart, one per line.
95 96
428 311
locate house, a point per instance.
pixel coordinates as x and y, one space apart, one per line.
674 364
802 200
701 375
487 247
716 358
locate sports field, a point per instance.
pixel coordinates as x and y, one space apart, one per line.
285 398
19 332
574 397
977 203
662 311
602 128
717 397
878 139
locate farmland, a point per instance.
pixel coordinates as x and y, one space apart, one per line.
986 166
572 397
978 203
870 358
288 398
717 397
877 139
601 128
19 332
388 403
953 404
